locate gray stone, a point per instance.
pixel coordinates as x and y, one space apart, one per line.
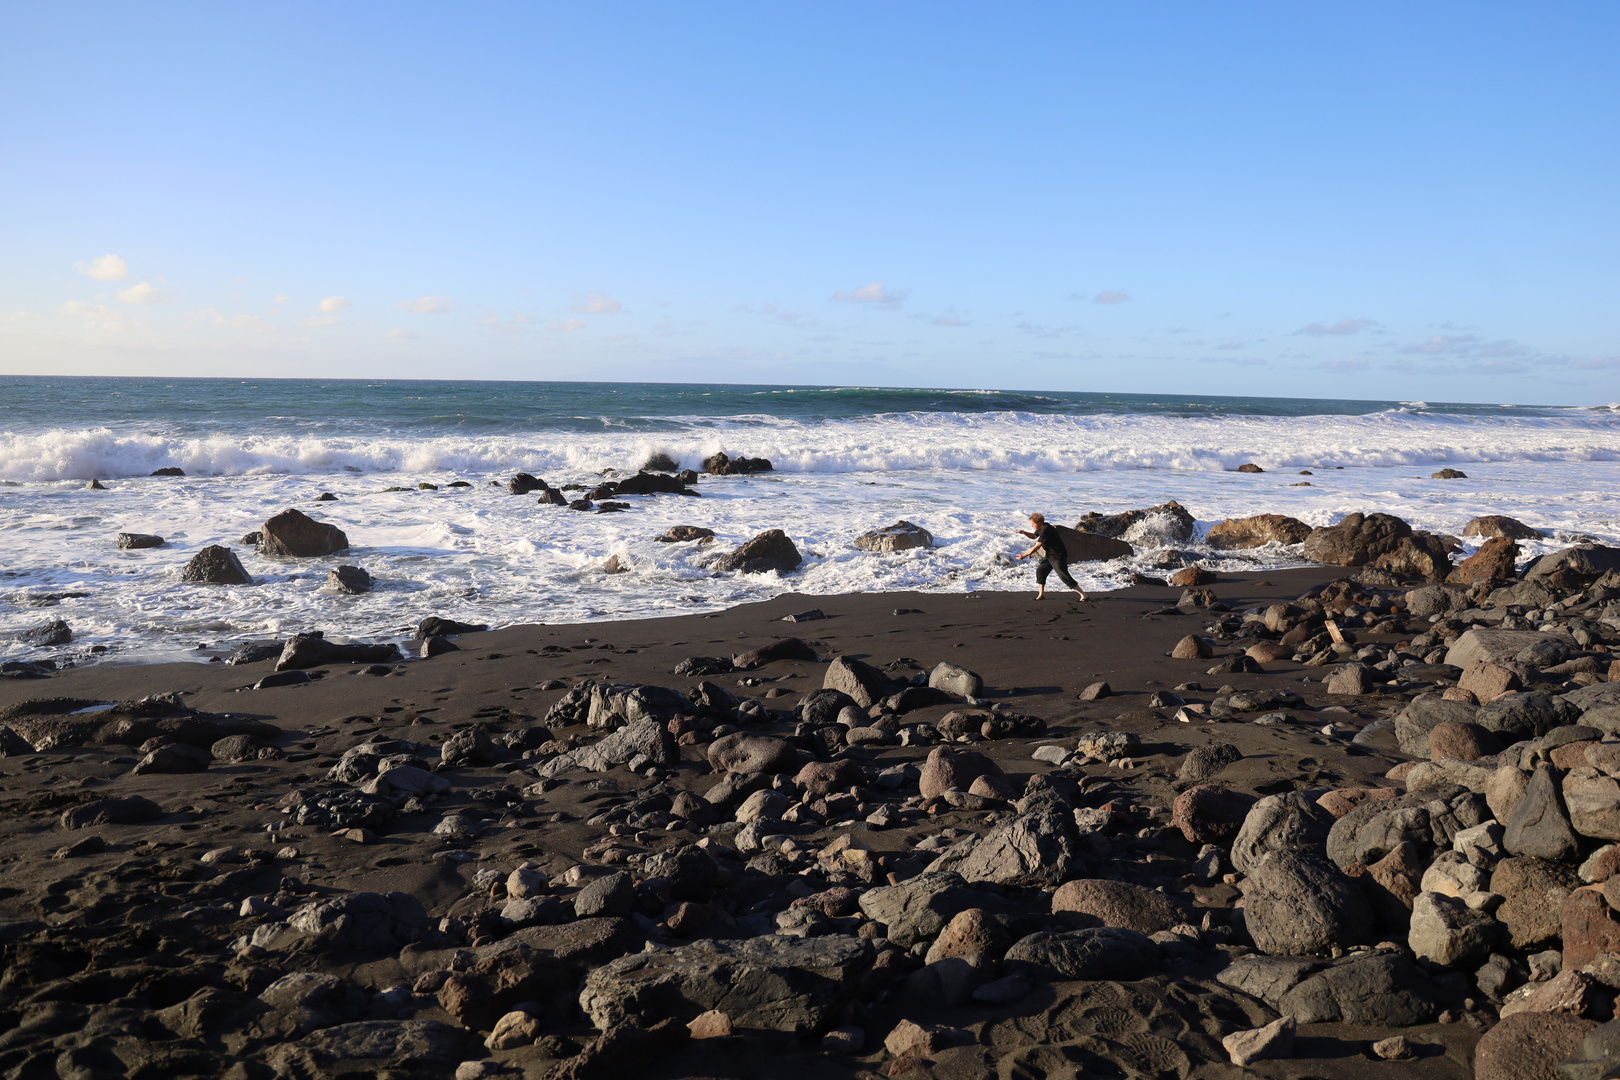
955 679
1592 799
798 985
215 565
1288 822
1099 953
1539 826
901 536
1031 850
745 752
1298 904
864 684
609 895
1446 931
131 810
1208 761
918 908
1426 712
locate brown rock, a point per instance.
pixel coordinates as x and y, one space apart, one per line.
947 769
1457 693
1343 800
1257 531
1535 891
770 550
1499 526
1192 647
1192 576
713 1024
1494 561
824 777
1570 991
913 1040
1356 540
1121 905
971 931
1207 814
1456 739
1605 864
295 534
1421 555
1573 756
1589 926
1249 467
1394 1048
215 565
990 786
513 1030
622 1050
1487 681
1394 881
1268 652
1529 1046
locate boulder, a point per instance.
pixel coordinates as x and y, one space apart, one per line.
770 551
1589 926
1274 1040
970 931
1287 822
1583 563
297 535
1535 891
215 565
1103 952
1192 647
919 908
947 769
434 626
1500 527
1356 540
1481 645
1448 474
312 650
781 649
523 483
864 684
1529 1046
1487 682
348 581
1167 523
1258 531
1208 814
1119 904
45 635
1447 932
1208 761
1463 741
130 810
725 465
1422 715
134 541
1494 561
651 483
1032 850
746 752
954 679
776 983
1421 555
1379 988
1089 547
1428 817
1299 904
1592 800
677 534
1435 600
901 536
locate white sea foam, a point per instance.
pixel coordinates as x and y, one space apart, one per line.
484 555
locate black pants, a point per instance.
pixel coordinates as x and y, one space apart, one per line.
1050 564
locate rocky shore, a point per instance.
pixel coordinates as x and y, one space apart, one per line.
1356 820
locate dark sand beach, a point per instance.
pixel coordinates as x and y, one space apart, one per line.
132 946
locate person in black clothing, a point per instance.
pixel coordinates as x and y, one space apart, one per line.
1053 555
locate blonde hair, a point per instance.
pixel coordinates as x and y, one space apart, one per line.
1038 518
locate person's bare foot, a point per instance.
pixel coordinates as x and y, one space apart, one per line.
1080 593
1040 596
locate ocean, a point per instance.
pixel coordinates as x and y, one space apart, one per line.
967 465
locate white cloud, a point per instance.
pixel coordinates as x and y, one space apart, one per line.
319 320
1340 328
567 326
332 305
103 268
1347 363
596 303
234 322
96 314
1110 297
426 305
281 298
516 322
398 333
876 294
143 293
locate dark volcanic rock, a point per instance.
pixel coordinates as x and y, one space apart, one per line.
1357 540
1257 531
775 983
133 810
523 483
1168 523
55 632
433 626
348 580
651 483
131 541
1500 527
312 650
294 533
215 565
770 550
901 536
1301 904
1099 953
781 649
865 684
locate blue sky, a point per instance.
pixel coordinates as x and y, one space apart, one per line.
1374 201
